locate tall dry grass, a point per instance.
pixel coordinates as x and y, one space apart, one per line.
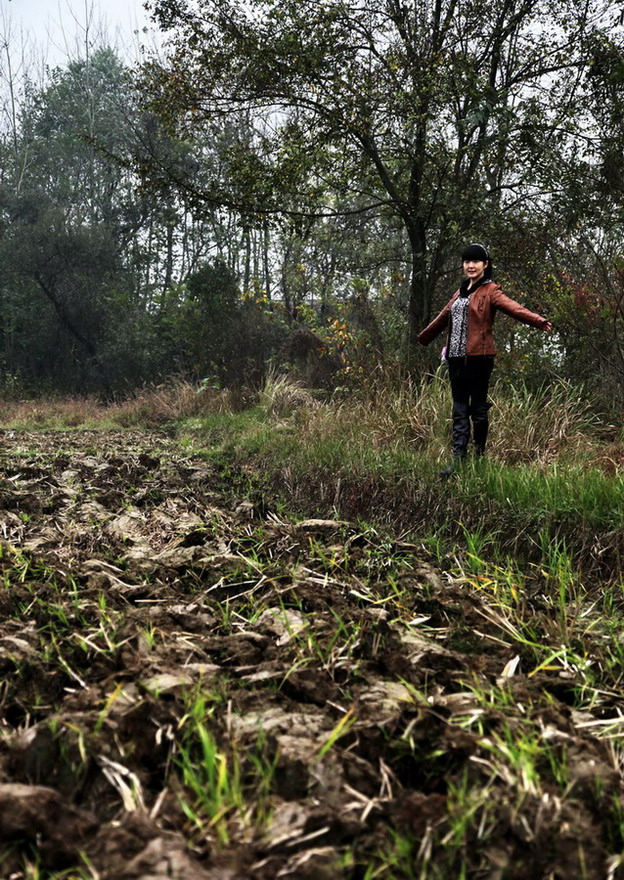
377 456
526 426
170 403
59 413
543 426
282 396
148 408
387 418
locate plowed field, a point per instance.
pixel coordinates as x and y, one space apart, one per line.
195 687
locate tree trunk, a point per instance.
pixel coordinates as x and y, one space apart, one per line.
247 250
421 292
266 244
72 327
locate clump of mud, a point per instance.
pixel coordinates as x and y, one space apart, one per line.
193 687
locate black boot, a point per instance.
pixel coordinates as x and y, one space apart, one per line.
480 428
461 429
460 437
454 466
480 438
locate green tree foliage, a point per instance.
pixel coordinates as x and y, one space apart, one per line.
207 331
581 272
69 268
107 283
67 212
442 114
313 169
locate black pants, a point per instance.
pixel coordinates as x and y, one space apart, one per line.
470 379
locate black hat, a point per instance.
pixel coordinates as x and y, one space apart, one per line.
475 252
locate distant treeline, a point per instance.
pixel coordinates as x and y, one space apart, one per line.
293 186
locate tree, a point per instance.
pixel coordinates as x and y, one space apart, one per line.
440 113
582 259
68 218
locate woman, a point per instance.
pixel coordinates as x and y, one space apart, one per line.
470 350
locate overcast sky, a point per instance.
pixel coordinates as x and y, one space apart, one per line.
55 29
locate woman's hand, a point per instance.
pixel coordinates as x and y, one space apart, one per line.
547 328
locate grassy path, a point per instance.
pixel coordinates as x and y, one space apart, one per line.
194 687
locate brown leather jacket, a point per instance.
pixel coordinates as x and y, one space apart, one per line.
484 303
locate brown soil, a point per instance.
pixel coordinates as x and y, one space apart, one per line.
346 710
